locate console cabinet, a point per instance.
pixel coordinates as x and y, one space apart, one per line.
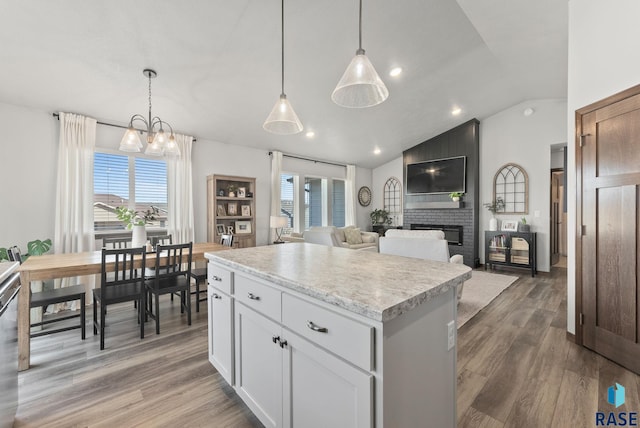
513 249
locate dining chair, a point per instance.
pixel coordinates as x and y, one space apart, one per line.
199 275
173 270
113 243
125 285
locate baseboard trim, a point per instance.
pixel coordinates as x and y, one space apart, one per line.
571 337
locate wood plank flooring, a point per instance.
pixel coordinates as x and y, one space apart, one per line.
515 369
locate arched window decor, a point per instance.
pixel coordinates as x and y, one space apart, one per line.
511 183
393 196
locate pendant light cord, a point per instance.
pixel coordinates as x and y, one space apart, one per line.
359 28
149 125
282 42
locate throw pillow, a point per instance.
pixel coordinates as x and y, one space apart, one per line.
340 234
368 239
353 236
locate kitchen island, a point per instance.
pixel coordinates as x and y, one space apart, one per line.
310 335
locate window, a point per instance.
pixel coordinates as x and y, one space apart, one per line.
286 200
338 206
323 203
134 182
312 202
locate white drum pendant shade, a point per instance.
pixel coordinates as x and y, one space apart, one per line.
360 85
282 119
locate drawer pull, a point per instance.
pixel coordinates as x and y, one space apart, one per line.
283 343
216 296
217 278
314 327
253 296
275 339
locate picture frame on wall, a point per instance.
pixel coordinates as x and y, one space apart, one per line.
509 226
242 192
243 226
221 229
246 211
232 208
221 211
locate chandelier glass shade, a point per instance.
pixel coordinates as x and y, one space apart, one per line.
283 119
158 143
360 85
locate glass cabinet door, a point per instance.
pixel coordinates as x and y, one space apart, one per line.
498 248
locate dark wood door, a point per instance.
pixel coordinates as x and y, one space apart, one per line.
609 175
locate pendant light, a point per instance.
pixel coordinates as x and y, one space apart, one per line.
282 119
158 143
360 85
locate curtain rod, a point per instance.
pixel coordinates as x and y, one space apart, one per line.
310 160
57 116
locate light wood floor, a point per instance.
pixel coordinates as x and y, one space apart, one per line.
515 368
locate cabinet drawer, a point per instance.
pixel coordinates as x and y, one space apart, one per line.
220 278
258 296
343 336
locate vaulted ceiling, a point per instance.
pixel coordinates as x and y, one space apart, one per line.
218 65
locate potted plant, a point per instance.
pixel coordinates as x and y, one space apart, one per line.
496 206
34 248
523 226
455 196
136 221
232 189
380 217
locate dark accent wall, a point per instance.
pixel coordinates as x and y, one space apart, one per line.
463 140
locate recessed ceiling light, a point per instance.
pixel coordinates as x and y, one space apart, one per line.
376 151
395 71
528 111
456 111
310 134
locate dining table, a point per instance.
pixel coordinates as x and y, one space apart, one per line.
53 266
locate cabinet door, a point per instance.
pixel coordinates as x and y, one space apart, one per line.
259 365
221 332
321 390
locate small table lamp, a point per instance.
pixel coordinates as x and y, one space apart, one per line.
277 222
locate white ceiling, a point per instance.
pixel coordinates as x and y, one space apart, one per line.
218 65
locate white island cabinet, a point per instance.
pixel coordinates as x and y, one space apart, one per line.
315 336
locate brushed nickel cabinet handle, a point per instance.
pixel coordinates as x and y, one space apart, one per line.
253 296
216 296
217 278
314 327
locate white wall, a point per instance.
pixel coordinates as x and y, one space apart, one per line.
28 166
603 40
210 157
380 175
511 137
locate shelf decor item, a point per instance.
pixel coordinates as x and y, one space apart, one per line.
243 226
232 208
242 191
523 226
364 196
509 226
455 196
246 211
496 206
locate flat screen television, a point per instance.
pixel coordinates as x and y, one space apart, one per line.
436 176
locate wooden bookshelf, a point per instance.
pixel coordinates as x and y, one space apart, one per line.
235 214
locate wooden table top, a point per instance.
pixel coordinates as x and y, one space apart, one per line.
49 266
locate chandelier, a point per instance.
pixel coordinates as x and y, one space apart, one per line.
158 144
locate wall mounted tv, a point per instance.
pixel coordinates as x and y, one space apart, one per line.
436 176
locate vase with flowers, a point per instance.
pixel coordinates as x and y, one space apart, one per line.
136 221
495 206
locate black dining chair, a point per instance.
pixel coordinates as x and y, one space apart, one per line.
116 243
124 285
173 270
162 240
199 275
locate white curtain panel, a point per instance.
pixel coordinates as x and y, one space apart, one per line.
276 172
350 196
74 190
180 192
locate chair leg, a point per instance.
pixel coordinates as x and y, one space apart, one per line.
103 316
157 315
95 317
187 297
83 323
197 296
142 313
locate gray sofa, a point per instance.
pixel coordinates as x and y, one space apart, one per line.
354 238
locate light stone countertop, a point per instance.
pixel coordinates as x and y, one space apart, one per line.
377 286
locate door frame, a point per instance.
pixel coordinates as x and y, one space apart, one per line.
551 171
627 93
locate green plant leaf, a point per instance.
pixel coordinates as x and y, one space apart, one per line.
38 247
4 254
